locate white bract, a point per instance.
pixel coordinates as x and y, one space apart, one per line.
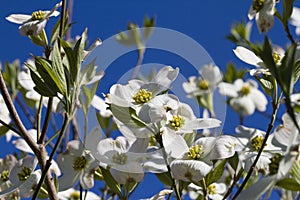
284 132
122 157
244 97
72 194
295 19
77 164
263 11
6 165
35 23
209 77
4 114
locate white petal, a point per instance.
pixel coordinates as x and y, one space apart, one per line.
32 27
259 99
131 170
100 105
224 147
174 144
166 76
18 18
295 17
242 105
247 56
228 89
189 170
200 124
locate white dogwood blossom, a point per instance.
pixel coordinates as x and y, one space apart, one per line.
263 11
250 141
77 164
244 97
250 58
209 77
122 157
35 23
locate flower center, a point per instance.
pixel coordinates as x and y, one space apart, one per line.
177 122
79 163
195 152
119 158
142 96
38 15
257 5
211 189
24 174
274 165
245 90
4 175
276 57
74 196
257 142
203 85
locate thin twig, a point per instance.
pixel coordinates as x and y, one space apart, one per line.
270 127
49 161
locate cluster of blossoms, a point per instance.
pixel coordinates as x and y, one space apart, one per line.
157 132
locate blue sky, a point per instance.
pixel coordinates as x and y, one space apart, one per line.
207 22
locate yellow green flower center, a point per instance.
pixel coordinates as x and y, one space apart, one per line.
257 5
142 96
4 175
79 163
245 90
211 189
274 165
203 85
119 158
276 57
177 122
24 174
257 142
38 15
74 196
195 152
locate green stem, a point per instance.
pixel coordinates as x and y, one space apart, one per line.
270 127
39 113
46 122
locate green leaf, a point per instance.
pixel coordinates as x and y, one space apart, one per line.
165 178
78 52
10 76
44 84
127 116
296 71
286 71
58 74
36 39
287 10
231 73
266 83
89 95
266 55
214 175
111 182
104 122
88 73
3 130
234 161
289 184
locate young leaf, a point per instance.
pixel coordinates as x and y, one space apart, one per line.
165 178
214 175
111 182
287 10
289 184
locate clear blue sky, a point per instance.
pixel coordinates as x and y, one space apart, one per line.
207 22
